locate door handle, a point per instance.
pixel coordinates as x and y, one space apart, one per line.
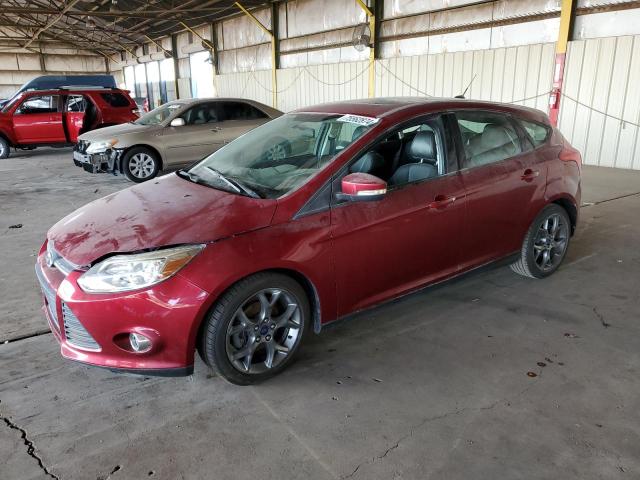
529 175
216 129
441 201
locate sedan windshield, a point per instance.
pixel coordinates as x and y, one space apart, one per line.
281 155
159 115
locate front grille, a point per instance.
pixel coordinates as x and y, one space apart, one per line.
54 259
49 298
75 333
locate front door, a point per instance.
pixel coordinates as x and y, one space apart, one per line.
198 137
504 186
410 237
38 119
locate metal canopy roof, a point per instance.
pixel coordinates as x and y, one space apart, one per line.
104 26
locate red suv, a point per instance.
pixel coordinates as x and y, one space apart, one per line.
56 117
244 254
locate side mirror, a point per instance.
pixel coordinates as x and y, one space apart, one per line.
177 122
362 187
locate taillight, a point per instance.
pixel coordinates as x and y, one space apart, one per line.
570 154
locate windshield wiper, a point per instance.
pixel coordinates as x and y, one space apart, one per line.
235 184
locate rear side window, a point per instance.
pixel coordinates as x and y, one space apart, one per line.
240 111
115 99
536 131
487 137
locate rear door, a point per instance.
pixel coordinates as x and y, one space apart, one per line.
237 118
504 183
75 107
199 137
38 119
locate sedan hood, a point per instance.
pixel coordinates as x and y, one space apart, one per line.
107 133
166 211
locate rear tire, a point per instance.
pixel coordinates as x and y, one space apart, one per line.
5 148
545 244
256 328
140 164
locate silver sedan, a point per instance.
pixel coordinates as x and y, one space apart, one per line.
177 133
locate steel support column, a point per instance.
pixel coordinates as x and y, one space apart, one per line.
567 16
372 47
274 51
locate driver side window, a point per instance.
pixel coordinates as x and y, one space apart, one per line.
415 153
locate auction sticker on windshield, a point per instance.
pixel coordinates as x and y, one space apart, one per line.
359 119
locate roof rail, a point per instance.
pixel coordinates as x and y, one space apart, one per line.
83 87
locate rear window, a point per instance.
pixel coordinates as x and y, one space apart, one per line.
536 131
115 99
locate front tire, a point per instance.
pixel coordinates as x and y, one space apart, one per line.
545 244
5 148
140 164
256 328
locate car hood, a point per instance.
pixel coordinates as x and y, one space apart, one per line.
107 133
161 212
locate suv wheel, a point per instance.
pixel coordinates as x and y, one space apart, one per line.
5 148
545 244
140 164
255 328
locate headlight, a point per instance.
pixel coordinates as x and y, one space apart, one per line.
122 273
99 147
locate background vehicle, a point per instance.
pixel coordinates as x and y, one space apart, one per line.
243 255
143 104
57 117
52 82
176 133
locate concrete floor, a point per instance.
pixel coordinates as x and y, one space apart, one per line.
431 386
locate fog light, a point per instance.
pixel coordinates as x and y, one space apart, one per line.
139 342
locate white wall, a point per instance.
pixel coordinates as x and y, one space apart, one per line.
18 68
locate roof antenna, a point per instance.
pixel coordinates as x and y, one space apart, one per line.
467 89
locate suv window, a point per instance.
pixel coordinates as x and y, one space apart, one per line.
115 99
487 137
536 131
76 103
39 104
201 114
240 111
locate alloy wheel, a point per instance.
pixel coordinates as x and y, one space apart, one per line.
277 152
142 165
550 242
264 331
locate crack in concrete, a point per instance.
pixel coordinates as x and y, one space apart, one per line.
422 423
601 318
591 204
24 337
31 448
419 425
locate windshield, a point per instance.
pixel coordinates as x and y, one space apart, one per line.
281 155
159 115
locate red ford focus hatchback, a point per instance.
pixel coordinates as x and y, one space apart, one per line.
315 215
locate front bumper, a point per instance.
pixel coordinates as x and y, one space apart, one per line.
94 329
108 161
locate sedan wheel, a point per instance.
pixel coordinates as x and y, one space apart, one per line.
545 244
140 164
255 328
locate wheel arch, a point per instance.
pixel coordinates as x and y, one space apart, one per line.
140 145
302 279
570 207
